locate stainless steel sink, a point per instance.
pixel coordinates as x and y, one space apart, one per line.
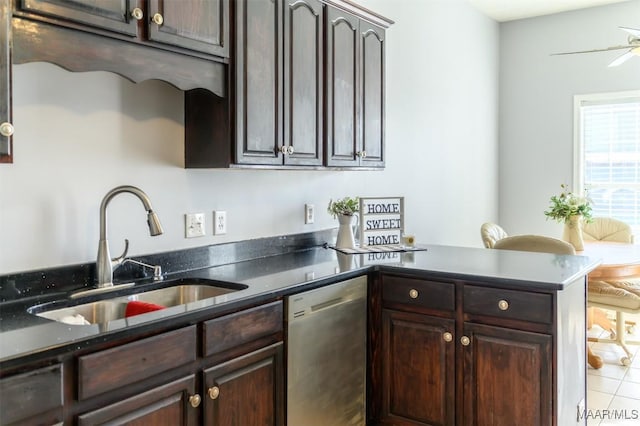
89 313
114 308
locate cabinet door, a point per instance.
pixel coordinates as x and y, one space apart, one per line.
6 126
372 84
418 378
32 398
303 76
248 390
168 405
258 82
200 25
108 15
507 377
342 86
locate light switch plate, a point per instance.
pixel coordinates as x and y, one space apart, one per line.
194 225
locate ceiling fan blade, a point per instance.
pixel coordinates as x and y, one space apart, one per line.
595 50
623 58
633 31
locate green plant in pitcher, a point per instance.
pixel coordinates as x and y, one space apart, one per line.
346 206
568 204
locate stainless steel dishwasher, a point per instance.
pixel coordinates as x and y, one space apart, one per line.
326 355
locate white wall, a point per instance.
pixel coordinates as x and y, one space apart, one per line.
79 135
536 102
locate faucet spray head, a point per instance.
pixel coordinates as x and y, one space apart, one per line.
155 228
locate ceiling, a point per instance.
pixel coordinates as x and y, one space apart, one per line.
508 10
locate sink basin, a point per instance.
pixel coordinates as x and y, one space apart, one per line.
114 308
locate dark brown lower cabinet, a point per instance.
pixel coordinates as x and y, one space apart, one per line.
490 356
418 379
507 377
226 371
32 398
167 405
247 390
506 373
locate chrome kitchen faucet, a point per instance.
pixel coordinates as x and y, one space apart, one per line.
104 264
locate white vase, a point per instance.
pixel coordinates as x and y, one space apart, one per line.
573 232
345 237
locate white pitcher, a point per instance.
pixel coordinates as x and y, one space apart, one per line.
345 237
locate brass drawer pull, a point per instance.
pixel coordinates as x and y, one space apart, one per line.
503 305
465 341
137 13
413 293
447 337
158 19
195 400
6 129
214 392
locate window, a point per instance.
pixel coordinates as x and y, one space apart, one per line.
608 154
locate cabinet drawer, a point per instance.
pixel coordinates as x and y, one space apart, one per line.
30 394
233 330
422 293
120 366
519 305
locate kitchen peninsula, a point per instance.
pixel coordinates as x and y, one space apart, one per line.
447 326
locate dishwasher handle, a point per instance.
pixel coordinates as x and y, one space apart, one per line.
314 301
317 308
327 304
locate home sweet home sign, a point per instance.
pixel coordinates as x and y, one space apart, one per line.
381 220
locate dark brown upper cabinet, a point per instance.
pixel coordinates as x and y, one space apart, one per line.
303 82
355 91
294 101
185 43
278 82
169 22
258 82
6 122
173 22
275 107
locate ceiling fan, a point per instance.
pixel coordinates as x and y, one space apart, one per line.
633 46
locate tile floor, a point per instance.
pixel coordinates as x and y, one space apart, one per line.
614 390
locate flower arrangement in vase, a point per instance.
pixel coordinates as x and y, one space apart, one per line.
572 210
345 209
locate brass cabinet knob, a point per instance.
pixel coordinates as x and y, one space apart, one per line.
447 337
195 400
361 154
465 341
413 293
290 150
158 19
137 13
6 129
214 392
503 305
284 150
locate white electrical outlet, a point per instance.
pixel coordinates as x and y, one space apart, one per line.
219 222
194 225
309 213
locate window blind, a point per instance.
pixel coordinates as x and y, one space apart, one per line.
610 137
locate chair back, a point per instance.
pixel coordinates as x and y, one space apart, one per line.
491 233
535 243
607 229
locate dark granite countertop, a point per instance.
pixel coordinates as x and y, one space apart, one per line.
25 337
